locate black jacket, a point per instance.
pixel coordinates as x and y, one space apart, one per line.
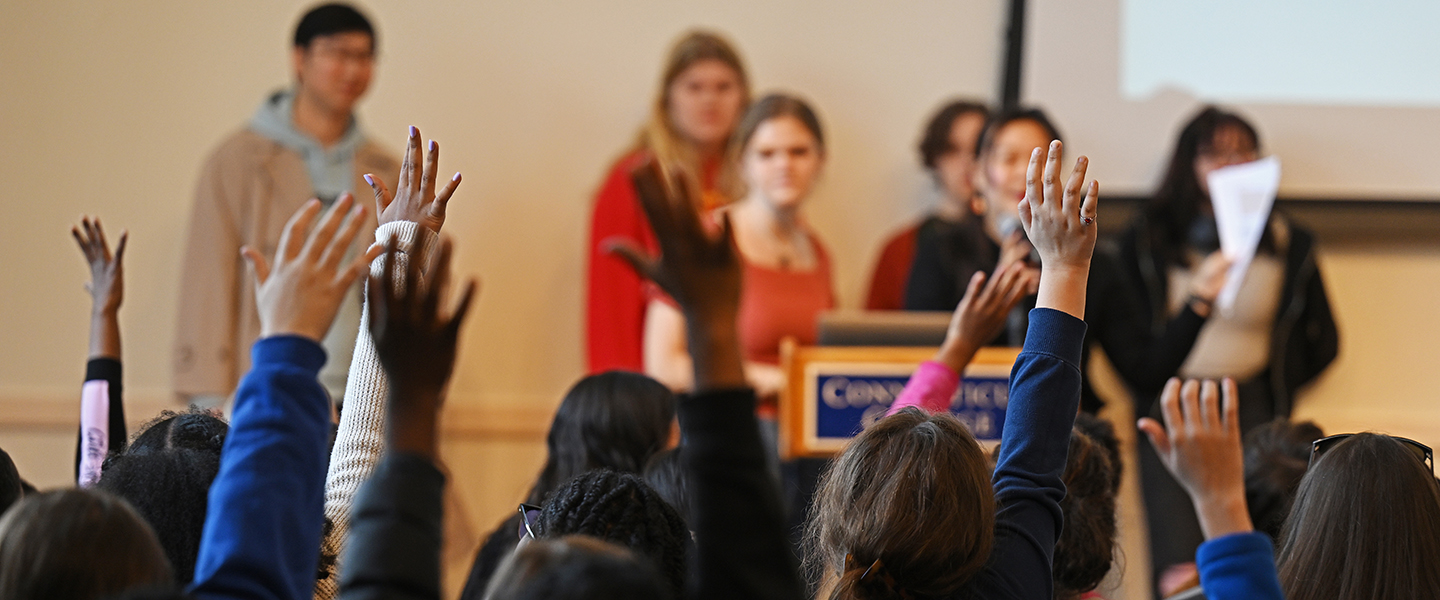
1304 341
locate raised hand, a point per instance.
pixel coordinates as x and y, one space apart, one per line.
301 292
1060 223
1200 445
983 311
106 286
415 342
417 199
699 270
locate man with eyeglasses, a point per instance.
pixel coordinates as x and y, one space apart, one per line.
303 142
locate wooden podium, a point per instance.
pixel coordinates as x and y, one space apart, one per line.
834 392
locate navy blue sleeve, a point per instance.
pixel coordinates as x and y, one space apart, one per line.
1239 566
1044 397
393 550
739 524
263 523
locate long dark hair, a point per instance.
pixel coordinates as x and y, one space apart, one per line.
935 141
1365 524
1179 200
615 420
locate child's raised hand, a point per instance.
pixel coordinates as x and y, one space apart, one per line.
1060 223
1200 444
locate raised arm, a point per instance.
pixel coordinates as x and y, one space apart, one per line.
1200 444
1045 381
102 409
395 536
411 217
263 522
977 320
741 548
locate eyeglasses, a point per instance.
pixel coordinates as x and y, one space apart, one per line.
1421 451
529 519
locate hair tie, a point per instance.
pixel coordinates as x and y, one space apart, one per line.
875 574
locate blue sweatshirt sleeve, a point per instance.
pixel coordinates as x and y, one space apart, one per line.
1239 566
1044 397
262 527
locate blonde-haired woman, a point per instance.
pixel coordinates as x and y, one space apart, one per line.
703 92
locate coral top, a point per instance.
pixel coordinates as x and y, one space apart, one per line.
775 304
616 296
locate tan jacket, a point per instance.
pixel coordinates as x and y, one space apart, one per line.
248 189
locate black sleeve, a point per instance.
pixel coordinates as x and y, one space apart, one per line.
1143 360
393 550
1318 336
109 370
741 546
931 285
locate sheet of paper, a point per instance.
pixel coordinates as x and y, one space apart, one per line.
1242 196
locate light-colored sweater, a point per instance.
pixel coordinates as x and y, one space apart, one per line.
360 440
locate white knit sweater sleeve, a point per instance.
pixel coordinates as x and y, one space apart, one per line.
360 440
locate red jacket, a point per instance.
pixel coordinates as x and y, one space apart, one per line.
892 271
616 298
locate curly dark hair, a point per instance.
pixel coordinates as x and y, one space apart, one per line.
1103 433
195 429
170 489
620 508
1086 547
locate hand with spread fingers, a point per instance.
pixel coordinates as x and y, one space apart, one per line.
983 311
106 286
416 342
300 293
700 271
1200 444
1060 223
417 198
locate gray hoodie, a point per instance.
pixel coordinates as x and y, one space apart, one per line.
331 170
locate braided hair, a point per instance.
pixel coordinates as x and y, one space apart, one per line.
620 508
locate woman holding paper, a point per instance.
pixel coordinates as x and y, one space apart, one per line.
1277 333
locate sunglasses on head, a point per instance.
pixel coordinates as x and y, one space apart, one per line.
1421 451
529 520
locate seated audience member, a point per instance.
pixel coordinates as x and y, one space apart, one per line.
779 149
703 91
1103 433
102 409
77 544
265 517
614 420
577 567
619 508
947 150
1276 455
1086 548
908 508
1365 522
1280 335
170 490
665 473
1144 359
1199 443
411 212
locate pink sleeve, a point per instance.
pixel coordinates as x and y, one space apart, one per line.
94 429
930 389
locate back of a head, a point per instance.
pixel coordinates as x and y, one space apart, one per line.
912 496
195 429
170 490
1365 524
1102 432
619 508
576 567
1086 547
1276 455
615 420
77 544
665 473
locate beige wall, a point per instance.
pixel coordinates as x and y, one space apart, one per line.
109 108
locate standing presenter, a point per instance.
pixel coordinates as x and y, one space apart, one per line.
302 142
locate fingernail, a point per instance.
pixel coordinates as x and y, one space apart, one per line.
433 145
369 179
413 131
456 177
